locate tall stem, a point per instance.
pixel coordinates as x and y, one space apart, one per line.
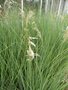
46 6
40 6
59 9
22 5
52 6
22 11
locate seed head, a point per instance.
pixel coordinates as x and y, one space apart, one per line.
30 53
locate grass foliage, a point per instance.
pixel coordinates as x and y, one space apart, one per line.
49 71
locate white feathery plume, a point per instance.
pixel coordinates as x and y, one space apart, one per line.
31 43
32 38
30 53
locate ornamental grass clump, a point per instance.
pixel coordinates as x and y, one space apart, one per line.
33 56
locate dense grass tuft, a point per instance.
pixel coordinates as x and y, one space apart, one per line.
46 72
